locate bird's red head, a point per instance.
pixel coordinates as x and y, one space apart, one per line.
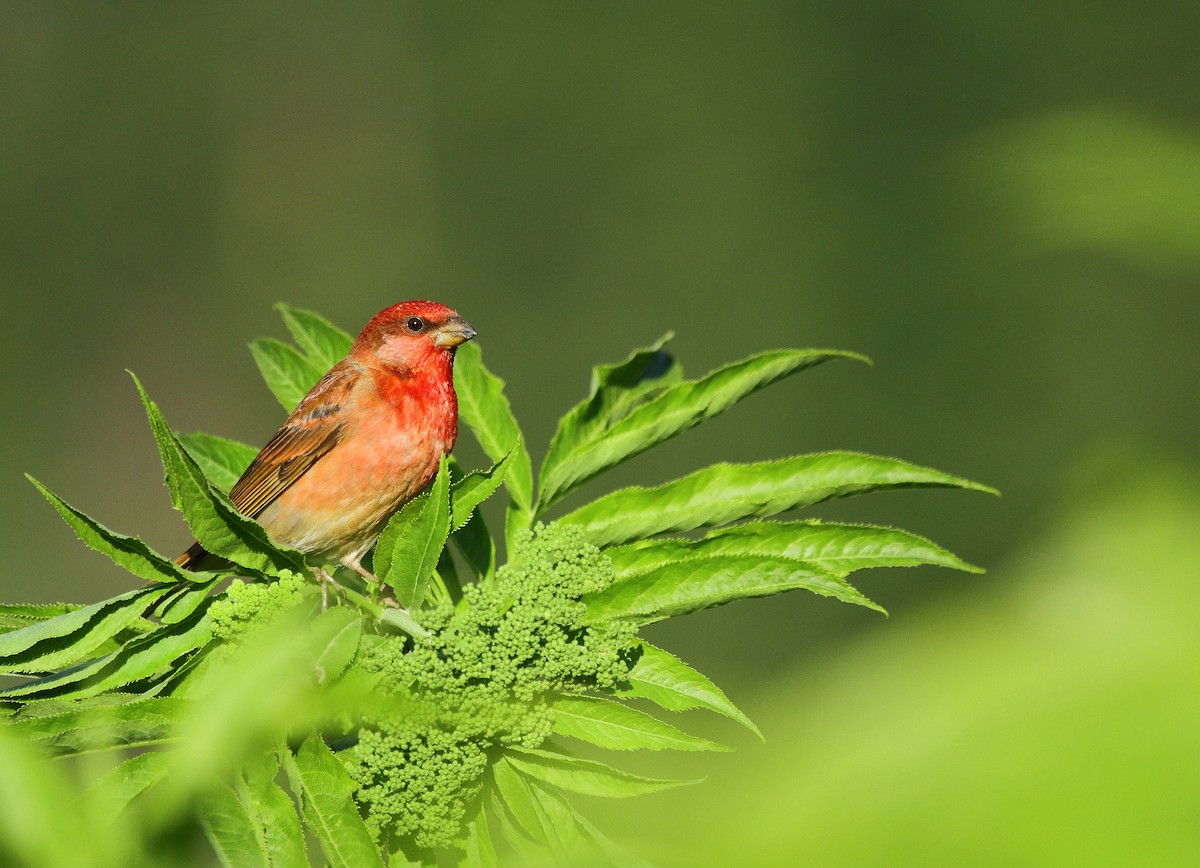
412 333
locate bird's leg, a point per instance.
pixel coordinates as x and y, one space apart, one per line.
326 581
352 562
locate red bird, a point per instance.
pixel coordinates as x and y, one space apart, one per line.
362 443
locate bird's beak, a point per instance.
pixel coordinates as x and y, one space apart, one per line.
455 331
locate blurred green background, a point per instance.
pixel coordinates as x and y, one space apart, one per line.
999 202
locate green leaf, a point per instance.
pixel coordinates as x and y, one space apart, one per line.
127 552
17 616
339 629
124 783
838 548
323 342
288 374
233 829
665 679
268 815
478 548
66 638
408 548
326 793
473 489
485 409
142 657
616 391
587 777
673 411
517 802
616 726
727 492
218 526
680 587
223 461
476 844
76 727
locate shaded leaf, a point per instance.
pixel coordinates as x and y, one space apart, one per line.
476 844
616 390
127 552
478 548
673 411
517 803
727 492
587 777
326 793
288 374
78 727
665 679
686 586
839 548
339 629
616 726
408 549
323 342
124 783
222 460
485 409
62 640
219 527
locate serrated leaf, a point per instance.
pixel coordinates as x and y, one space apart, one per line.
839 548
408 549
485 409
517 803
616 390
616 726
17 616
473 489
127 552
326 793
587 777
233 829
339 630
323 342
666 680
680 587
222 460
273 816
182 602
288 374
79 727
219 527
62 640
728 492
673 411
124 783
141 658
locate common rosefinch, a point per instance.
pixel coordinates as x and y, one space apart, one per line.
362 443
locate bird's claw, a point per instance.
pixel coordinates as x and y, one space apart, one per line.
327 581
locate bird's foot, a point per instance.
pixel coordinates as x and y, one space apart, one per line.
326 582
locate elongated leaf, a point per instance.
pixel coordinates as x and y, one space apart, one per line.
665 679
326 791
288 374
180 604
727 492
17 616
476 487
233 829
485 409
340 628
127 552
584 776
223 461
66 638
323 342
217 525
141 658
838 548
408 548
616 391
517 803
477 845
121 785
75 728
616 726
673 411
282 837
686 586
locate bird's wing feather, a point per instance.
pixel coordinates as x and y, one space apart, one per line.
313 429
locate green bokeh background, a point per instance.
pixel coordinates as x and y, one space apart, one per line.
999 202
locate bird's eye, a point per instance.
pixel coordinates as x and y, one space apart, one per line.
415 324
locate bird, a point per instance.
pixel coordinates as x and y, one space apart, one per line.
365 440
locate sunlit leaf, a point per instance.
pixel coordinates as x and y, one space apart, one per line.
616 726
673 411
680 587
477 486
288 374
408 548
343 626
233 828
584 776
78 727
323 342
727 492
222 460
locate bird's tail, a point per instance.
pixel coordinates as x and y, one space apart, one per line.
191 559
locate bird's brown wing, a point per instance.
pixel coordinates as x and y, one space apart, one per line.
314 428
